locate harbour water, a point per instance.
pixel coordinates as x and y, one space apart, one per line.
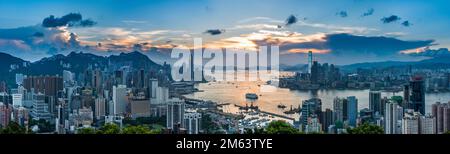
234 93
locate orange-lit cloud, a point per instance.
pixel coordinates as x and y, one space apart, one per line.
307 50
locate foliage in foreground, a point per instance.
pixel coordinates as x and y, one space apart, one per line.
366 128
114 129
274 127
14 128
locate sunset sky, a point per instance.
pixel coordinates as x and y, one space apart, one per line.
340 32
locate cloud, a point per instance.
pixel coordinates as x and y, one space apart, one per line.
73 41
254 27
342 14
406 23
87 23
71 20
134 21
368 13
395 34
37 40
350 45
214 31
427 52
38 34
338 28
259 19
392 18
291 20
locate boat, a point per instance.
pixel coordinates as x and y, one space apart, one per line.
281 106
251 96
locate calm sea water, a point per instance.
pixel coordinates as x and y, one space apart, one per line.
234 93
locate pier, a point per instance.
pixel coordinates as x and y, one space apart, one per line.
269 113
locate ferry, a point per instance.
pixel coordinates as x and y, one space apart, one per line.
281 106
251 96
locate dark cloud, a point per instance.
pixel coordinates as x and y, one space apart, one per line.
342 14
349 45
214 31
38 34
406 23
21 33
87 23
141 46
291 20
392 18
37 40
427 52
112 46
71 20
368 13
73 41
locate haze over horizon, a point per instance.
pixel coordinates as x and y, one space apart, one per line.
352 31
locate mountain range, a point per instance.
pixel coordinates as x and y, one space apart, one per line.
76 62
439 62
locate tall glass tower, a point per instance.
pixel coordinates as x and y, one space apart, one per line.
310 61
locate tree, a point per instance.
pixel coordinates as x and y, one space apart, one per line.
87 130
43 125
109 128
254 131
281 127
366 128
13 128
136 130
145 120
210 126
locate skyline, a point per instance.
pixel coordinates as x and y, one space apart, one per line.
363 31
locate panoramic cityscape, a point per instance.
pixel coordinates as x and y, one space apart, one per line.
110 67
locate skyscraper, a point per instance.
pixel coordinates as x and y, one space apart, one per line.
327 119
68 78
119 99
152 88
366 116
442 114
5 114
41 109
392 118
175 114
100 108
315 72
340 109
192 122
310 61
375 102
352 110
19 79
141 79
406 96
48 85
97 80
310 107
17 99
139 106
313 125
427 124
21 115
410 122
417 99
